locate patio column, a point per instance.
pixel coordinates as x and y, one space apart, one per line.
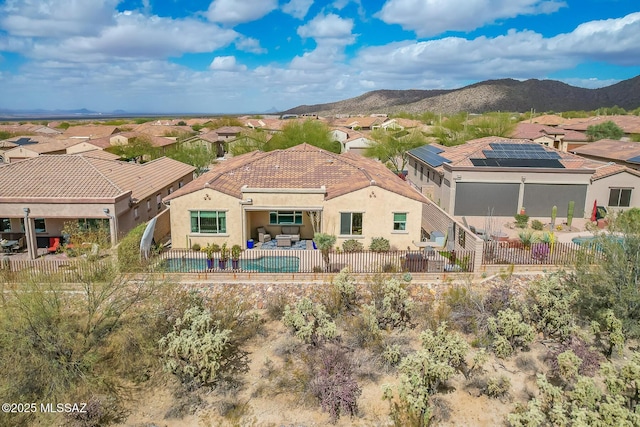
30 235
113 226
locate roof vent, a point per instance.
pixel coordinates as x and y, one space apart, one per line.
373 182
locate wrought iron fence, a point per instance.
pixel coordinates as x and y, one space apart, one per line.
314 261
515 252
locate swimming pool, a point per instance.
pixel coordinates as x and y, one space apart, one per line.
590 240
265 264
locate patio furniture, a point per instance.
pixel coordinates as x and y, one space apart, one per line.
8 245
18 246
263 236
283 241
54 244
290 232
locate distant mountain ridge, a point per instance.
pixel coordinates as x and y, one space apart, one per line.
489 95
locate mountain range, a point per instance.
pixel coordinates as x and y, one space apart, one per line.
486 96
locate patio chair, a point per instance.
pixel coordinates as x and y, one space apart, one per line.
263 236
54 244
18 246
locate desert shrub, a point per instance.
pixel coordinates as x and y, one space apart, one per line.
379 244
568 365
526 362
537 225
527 238
392 354
344 285
100 410
333 384
498 387
391 304
275 305
509 331
540 251
521 220
462 308
129 259
199 352
608 332
585 403
550 307
498 298
352 245
309 321
448 347
623 381
590 358
363 329
196 247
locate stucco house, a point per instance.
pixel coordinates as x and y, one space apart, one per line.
500 176
561 139
47 191
303 187
626 153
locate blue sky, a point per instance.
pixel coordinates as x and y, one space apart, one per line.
235 56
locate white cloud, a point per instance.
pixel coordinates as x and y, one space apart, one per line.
432 17
329 26
56 18
237 12
134 36
226 63
249 44
297 8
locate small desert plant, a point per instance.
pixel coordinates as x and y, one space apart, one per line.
334 385
196 247
570 210
608 332
540 251
325 243
537 225
276 304
380 244
554 214
498 387
393 306
522 220
352 245
527 238
309 321
590 357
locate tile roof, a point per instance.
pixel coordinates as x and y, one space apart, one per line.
604 170
89 131
71 177
610 149
525 130
302 166
629 124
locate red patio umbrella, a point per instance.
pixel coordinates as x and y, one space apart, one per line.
594 213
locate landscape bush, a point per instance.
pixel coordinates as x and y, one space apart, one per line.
352 245
537 225
509 331
379 244
391 303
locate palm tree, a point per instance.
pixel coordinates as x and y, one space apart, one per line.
325 243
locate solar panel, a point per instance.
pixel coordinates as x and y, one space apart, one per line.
635 159
518 163
520 154
430 155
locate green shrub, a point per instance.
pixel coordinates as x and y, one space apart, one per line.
537 225
196 247
392 305
521 220
352 245
380 244
509 331
129 259
498 387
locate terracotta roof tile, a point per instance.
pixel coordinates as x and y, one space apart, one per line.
610 149
302 166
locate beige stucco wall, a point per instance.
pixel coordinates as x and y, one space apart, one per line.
377 219
81 148
243 219
18 153
600 189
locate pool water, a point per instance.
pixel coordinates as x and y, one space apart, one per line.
265 264
589 240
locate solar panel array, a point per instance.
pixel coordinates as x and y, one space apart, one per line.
635 159
518 163
519 151
430 155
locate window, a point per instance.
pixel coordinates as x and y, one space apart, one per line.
40 225
399 221
135 212
93 223
285 217
148 204
421 172
210 222
620 197
158 201
351 223
170 190
415 168
181 184
5 224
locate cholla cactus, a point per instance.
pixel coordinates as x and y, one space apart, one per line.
509 331
310 322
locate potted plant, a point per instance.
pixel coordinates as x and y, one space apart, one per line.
236 250
224 256
210 250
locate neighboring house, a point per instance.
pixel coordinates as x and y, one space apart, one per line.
500 176
610 150
43 146
399 124
50 190
156 129
630 125
352 197
356 143
89 131
359 123
561 139
549 120
614 186
339 134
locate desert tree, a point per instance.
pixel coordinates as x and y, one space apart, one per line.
391 147
606 130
